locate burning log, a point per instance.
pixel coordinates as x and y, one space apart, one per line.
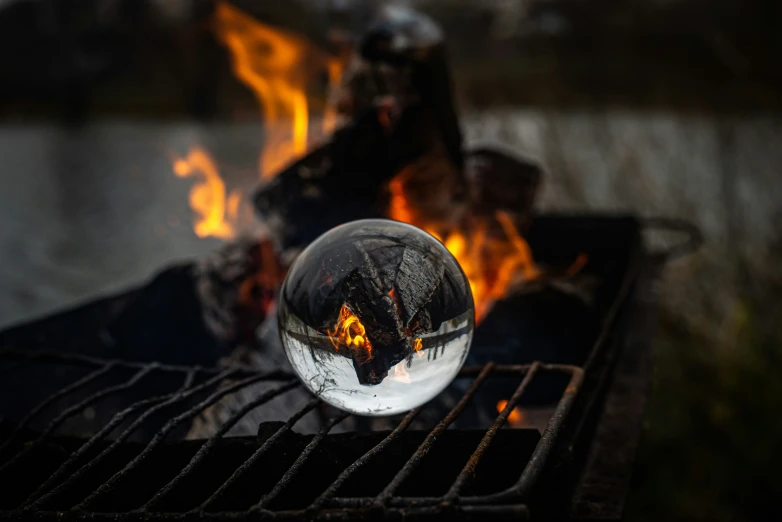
397 95
502 182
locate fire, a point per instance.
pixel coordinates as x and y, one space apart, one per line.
277 67
216 213
515 417
349 331
492 265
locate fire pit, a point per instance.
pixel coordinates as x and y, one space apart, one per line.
174 399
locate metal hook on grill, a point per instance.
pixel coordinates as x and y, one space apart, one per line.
681 249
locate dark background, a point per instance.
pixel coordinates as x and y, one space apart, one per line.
656 107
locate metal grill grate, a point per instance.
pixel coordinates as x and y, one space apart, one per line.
91 476
221 383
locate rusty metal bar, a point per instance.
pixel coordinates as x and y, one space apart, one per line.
108 428
294 469
68 412
209 445
427 444
77 385
258 453
318 503
472 463
185 392
163 432
537 461
85 360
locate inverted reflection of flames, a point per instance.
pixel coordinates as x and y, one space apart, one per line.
334 377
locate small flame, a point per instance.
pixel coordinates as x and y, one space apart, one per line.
418 347
349 331
400 374
216 214
515 417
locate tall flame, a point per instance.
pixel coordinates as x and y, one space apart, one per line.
277 67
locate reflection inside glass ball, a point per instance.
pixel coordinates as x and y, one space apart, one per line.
376 317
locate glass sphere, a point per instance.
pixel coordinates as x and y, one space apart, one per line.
376 317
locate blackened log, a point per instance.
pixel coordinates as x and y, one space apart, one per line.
501 181
164 322
398 99
402 58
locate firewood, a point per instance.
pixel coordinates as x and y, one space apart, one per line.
398 100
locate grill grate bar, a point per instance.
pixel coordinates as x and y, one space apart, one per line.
427 444
534 467
184 392
75 386
259 453
472 463
85 360
100 435
209 445
294 469
69 412
318 503
164 431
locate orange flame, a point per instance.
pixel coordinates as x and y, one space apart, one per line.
349 331
492 265
216 214
276 66
515 417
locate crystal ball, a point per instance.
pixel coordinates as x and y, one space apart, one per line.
376 317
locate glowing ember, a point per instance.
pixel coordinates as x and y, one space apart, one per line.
515 417
349 331
492 265
216 213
